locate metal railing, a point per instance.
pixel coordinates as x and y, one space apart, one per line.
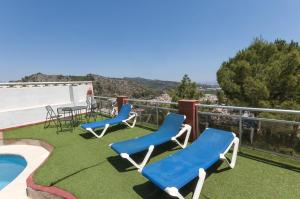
150 113
250 109
106 105
276 130
153 101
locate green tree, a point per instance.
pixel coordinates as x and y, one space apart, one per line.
266 74
221 97
186 90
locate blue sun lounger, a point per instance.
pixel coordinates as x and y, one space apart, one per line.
171 129
175 171
124 116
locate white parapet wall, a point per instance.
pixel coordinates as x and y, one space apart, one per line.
24 103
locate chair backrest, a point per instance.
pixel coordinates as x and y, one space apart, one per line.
88 101
60 111
91 103
172 123
125 110
50 111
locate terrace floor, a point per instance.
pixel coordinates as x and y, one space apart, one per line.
88 168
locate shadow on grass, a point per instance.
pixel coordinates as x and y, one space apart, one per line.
69 130
150 191
65 128
49 126
270 162
123 165
144 126
76 172
89 135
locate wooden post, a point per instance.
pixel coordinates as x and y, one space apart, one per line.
189 109
121 100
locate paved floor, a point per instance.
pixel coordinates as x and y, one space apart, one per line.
34 156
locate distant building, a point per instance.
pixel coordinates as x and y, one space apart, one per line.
211 98
163 97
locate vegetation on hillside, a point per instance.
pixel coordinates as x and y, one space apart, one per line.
105 86
157 85
134 87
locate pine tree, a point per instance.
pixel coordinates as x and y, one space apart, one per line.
186 90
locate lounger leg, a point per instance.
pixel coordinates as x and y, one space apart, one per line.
125 155
142 165
235 144
235 151
102 133
144 162
173 191
200 183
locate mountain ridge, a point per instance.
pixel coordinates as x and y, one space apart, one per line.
136 87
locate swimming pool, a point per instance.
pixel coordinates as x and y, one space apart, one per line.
10 167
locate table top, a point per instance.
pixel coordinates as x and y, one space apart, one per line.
73 108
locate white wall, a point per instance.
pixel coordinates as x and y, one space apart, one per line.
24 103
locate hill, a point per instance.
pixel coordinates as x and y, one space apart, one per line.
106 86
158 85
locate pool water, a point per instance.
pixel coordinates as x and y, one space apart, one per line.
10 167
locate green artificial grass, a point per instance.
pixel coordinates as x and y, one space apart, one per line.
88 168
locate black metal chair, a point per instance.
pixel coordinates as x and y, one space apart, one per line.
65 117
60 112
91 108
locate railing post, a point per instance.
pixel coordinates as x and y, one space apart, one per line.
189 109
240 127
121 100
156 107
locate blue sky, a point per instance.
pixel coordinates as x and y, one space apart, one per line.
157 39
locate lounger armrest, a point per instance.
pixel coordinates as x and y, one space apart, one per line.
185 129
201 178
131 116
133 113
173 191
